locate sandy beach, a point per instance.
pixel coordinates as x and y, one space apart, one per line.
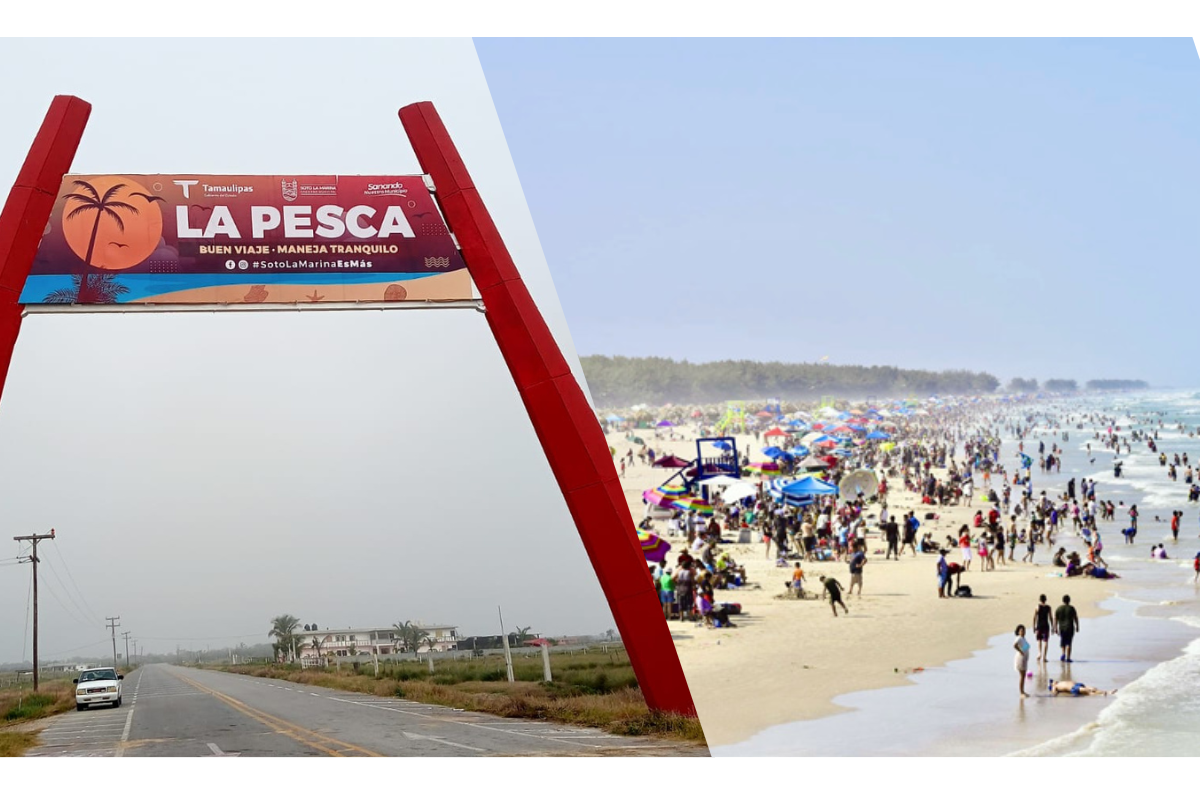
788 659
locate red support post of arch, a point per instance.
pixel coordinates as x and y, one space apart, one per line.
27 210
564 421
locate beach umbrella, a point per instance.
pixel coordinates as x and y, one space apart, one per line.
671 462
765 468
666 423
843 452
722 445
721 480
828 443
842 429
656 498
799 451
694 504
741 491
774 432
812 462
614 418
654 547
772 452
878 435
763 414
672 491
863 479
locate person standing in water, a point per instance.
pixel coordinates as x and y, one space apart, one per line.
1066 625
1021 660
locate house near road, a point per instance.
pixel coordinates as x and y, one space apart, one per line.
349 642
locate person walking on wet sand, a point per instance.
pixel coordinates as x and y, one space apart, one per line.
1021 660
834 590
1066 625
1042 624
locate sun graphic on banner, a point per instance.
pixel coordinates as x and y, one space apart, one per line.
111 222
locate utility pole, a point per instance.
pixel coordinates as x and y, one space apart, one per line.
126 636
507 652
33 559
114 623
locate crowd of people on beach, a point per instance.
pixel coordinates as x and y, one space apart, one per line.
947 456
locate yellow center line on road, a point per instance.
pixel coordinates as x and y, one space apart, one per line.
301 734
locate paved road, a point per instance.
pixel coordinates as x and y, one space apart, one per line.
177 711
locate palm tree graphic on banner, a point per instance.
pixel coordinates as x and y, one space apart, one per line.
88 288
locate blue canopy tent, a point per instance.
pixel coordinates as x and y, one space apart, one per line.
614 418
808 487
876 435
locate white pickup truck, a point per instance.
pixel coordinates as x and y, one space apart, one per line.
98 686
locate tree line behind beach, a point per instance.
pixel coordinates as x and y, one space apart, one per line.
617 381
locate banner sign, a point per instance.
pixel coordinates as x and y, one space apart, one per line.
228 239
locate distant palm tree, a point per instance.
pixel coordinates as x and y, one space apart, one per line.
411 635
89 289
316 643
523 635
283 629
103 205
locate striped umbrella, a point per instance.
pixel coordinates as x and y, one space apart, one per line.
657 498
696 504
672 491
654 548
765 468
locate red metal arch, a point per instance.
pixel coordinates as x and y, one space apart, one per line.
564 422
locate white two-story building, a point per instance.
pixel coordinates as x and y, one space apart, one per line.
317 645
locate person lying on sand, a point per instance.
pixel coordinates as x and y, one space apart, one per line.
1075 689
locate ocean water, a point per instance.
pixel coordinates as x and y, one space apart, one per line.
1148 647
1157 713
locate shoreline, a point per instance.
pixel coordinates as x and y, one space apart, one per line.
963 710
789 660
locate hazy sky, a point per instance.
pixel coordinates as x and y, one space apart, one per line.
208 472
1019 206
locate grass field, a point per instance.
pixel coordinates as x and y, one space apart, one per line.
21 704
594 688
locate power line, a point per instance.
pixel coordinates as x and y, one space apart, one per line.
68 611
67 592
67 567
25 638
81 647
203 638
